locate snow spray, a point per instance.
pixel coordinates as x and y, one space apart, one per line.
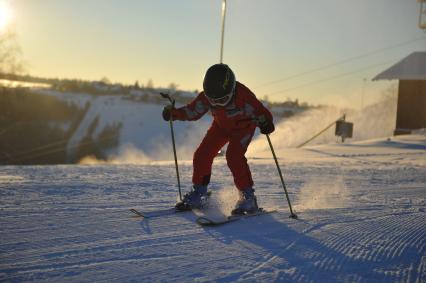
374 121
323 193
126 154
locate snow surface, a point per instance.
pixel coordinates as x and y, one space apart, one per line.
412 67
361 208
9 83
144 134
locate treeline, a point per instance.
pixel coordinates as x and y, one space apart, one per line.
101 87
36 128
145 93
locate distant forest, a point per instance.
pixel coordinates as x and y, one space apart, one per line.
151 94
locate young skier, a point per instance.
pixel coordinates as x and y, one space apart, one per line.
236 113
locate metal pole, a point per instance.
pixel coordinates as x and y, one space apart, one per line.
363 92
223 30
175 155
292 215
172 102
328 127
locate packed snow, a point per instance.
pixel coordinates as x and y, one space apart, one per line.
143 134
361 209
145 137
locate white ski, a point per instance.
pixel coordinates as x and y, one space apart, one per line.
206 221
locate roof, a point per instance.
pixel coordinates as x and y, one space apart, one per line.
412 67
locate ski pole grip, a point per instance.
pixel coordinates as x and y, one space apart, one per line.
259 119
167 96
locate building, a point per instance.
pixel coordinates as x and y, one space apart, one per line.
411 107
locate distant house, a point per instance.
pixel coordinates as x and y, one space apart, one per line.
411 107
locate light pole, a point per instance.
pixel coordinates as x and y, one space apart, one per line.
364 81
422 16
223 30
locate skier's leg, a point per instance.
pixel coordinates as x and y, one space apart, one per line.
236 160
202 166
214 140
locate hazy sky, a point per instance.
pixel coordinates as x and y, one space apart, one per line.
265 41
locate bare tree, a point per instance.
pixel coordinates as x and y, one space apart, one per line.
150 84
10 54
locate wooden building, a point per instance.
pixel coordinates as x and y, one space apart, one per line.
411 107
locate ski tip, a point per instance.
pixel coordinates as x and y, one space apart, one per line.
137 213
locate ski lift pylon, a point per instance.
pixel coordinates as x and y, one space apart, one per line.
422 14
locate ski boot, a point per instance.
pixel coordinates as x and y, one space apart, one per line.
247 203
196 198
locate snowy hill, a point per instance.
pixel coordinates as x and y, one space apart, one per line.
361 208
143 133
145 137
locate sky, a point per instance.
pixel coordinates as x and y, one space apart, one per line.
271 45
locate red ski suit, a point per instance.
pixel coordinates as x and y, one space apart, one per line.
232 123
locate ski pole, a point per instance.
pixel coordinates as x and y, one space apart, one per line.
172 103
259 120
292 215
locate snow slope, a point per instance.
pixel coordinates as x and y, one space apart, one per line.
361 208
143 135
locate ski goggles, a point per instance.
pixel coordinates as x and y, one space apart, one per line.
222 101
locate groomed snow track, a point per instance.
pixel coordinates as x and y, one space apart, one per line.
362 218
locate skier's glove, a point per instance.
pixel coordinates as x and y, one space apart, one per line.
266 127
167 112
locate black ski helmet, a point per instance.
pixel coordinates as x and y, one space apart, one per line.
219 82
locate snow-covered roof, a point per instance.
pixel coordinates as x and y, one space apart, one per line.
412 67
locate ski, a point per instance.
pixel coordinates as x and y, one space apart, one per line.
206 221
163 212
156 213
138 213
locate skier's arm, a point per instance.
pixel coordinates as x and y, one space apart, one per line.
261 114
258 109
192 111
